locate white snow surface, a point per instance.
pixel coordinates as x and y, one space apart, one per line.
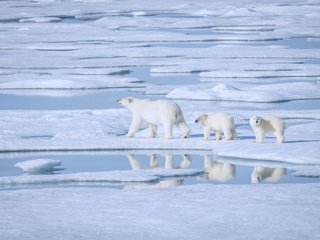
201 211
105 129
44 46
38 165
243 52
110 176
260 93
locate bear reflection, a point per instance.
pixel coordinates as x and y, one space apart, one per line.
153 163
214 170
269 174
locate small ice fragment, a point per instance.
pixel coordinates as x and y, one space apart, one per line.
38 165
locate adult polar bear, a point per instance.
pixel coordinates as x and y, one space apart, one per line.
153 113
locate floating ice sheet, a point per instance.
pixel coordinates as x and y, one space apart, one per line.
33 81
38 165
91 177
244 93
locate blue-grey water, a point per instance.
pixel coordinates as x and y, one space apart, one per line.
102 161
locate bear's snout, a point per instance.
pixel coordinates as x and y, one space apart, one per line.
196 121
119 101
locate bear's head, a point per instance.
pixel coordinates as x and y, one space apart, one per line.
201 120
125 101
256 178
255 121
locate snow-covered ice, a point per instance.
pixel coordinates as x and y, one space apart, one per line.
38 165
105 130
243 93
91 177
287 211
247 58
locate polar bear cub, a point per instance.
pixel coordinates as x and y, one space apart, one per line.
153 113
261 126
264 173
217 123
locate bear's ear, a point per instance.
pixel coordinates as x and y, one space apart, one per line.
204 116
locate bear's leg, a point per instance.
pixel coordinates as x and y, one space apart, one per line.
206 133
186 161
134 127
227 134
167 130
135 163
260 134
255 133
279 136
207 161
185 130
234 134
153 129
168 164
153 161
218 135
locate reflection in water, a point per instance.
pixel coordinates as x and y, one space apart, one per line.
168 164
163 162
214 170
269 174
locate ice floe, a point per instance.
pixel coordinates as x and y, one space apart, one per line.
33 82
153 175
236 211
81 130
38 165
245 93
40 19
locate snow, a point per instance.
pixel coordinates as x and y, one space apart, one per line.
188 212
111 176
38 165
41 19
247 58
96 130
243 93
75 82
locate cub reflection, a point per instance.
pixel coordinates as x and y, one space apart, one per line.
153 164
214 170
269 174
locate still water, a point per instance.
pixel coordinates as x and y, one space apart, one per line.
210 171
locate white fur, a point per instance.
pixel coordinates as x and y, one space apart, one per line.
217 123
222 172
153 113
261 126
265 173
169 164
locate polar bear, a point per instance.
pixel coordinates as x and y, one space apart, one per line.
214 170
270 124
268 174
217 122
169 164
153 113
